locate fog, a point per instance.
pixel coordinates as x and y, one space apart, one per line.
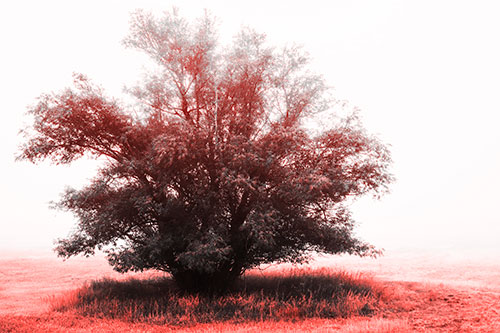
425 76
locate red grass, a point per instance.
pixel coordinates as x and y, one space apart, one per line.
292 295
461 298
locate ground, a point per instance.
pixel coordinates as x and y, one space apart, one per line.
428 292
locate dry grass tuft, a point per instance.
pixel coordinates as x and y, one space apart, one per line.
377 325
291 295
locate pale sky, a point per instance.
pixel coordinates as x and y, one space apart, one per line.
425 74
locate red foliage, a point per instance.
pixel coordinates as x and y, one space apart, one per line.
218 174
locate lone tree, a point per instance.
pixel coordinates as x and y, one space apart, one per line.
214 172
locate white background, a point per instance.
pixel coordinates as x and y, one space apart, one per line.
426 75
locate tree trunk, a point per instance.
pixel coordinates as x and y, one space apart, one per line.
207 283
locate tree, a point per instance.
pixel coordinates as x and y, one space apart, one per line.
215 171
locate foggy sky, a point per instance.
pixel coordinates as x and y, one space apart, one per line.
426 76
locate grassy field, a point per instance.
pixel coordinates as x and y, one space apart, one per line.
291 295
393 294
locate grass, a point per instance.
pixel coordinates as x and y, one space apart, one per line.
291 295
408 296
70 323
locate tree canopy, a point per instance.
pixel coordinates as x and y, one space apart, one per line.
214 171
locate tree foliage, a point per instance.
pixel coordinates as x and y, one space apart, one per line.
215 171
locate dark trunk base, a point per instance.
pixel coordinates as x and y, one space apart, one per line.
206 283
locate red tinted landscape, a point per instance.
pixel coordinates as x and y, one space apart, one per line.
233 153
424 292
